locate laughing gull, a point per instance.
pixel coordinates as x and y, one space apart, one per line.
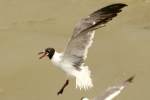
71 61
113 91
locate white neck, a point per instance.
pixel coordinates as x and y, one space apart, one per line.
56 58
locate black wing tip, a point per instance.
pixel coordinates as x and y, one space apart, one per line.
118 5
114 8
130 79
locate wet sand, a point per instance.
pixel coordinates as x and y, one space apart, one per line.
120 49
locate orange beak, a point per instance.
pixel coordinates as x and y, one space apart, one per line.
43 54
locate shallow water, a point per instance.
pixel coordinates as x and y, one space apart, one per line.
120 49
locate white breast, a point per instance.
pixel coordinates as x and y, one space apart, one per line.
62 64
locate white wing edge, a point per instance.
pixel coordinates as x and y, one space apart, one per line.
115 90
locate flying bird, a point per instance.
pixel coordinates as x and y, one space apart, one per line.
113 91
71 61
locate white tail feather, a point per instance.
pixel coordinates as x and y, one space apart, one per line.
83 78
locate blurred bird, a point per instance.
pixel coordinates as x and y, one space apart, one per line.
113 91
71 61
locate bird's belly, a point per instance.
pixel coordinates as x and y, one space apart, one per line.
67 68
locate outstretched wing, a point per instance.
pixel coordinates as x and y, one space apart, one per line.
83 33
114 91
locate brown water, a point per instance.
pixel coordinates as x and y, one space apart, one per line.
120 49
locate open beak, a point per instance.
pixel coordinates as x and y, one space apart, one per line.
43 54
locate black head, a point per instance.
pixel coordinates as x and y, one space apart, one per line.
48 52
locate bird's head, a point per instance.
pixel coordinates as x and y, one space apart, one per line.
48 52
84 98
